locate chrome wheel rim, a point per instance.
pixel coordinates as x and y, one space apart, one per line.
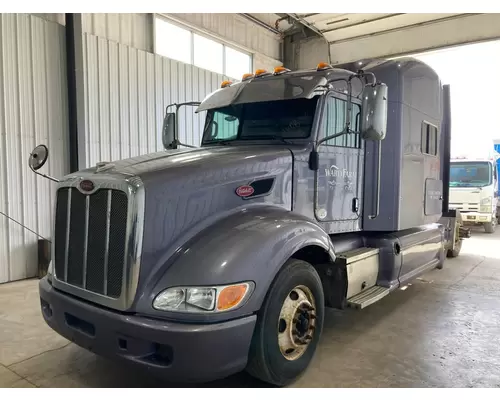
296 323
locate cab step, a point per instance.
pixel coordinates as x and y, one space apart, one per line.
368 297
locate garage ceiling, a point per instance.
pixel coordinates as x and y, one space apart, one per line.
337 27
353 37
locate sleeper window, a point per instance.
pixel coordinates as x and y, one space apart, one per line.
428 144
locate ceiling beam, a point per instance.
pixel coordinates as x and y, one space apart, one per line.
448 32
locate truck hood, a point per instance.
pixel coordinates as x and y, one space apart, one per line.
188 190
175 161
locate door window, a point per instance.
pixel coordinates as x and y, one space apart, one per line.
335 114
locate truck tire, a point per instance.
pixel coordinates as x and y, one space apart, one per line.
489 227
452 253
289 325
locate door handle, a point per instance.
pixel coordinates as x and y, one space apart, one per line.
355 205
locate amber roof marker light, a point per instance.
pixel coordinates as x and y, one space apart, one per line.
322 66
280 70
261 72
226 84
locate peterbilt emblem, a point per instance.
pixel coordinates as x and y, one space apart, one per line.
244 191
87 186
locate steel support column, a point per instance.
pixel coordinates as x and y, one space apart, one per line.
76 91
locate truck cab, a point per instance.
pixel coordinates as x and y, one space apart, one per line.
316 188
474 190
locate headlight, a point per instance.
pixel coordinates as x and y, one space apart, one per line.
486 201
203 299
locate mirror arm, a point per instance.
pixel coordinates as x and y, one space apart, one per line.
325 139
177 143
45 176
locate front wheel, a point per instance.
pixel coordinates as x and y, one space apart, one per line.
489 227
289 325
455 252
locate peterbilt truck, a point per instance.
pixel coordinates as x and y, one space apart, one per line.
474 189
325 187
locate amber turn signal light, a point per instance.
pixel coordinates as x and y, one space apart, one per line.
231 296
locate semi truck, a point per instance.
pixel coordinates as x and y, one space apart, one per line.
474 189
323 187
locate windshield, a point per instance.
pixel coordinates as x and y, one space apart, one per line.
282 119
470 174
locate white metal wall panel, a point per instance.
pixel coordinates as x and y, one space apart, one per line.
133 29
126 93
33 110
53 17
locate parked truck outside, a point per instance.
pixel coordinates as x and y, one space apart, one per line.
474 189
325 187
496 147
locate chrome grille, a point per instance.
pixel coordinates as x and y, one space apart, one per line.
90 239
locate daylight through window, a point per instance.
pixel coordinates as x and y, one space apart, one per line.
181 44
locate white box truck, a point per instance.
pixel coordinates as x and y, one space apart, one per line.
473 188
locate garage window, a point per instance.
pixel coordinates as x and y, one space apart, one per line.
173 41
208 54
237 63
183 44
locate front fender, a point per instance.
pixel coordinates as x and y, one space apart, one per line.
250 245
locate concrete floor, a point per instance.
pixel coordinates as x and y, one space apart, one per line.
441 331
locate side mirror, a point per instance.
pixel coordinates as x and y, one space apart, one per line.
168 133
38 157
314 160
374 114
37 160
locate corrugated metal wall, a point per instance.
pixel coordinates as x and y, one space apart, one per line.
33 110
133 29
127 91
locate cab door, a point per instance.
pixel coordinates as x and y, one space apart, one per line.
338 191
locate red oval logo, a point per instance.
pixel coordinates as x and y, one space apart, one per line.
244 191
87 186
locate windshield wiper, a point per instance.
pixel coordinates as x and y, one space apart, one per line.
223 142
273 137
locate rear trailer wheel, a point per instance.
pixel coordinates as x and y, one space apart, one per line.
289 325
